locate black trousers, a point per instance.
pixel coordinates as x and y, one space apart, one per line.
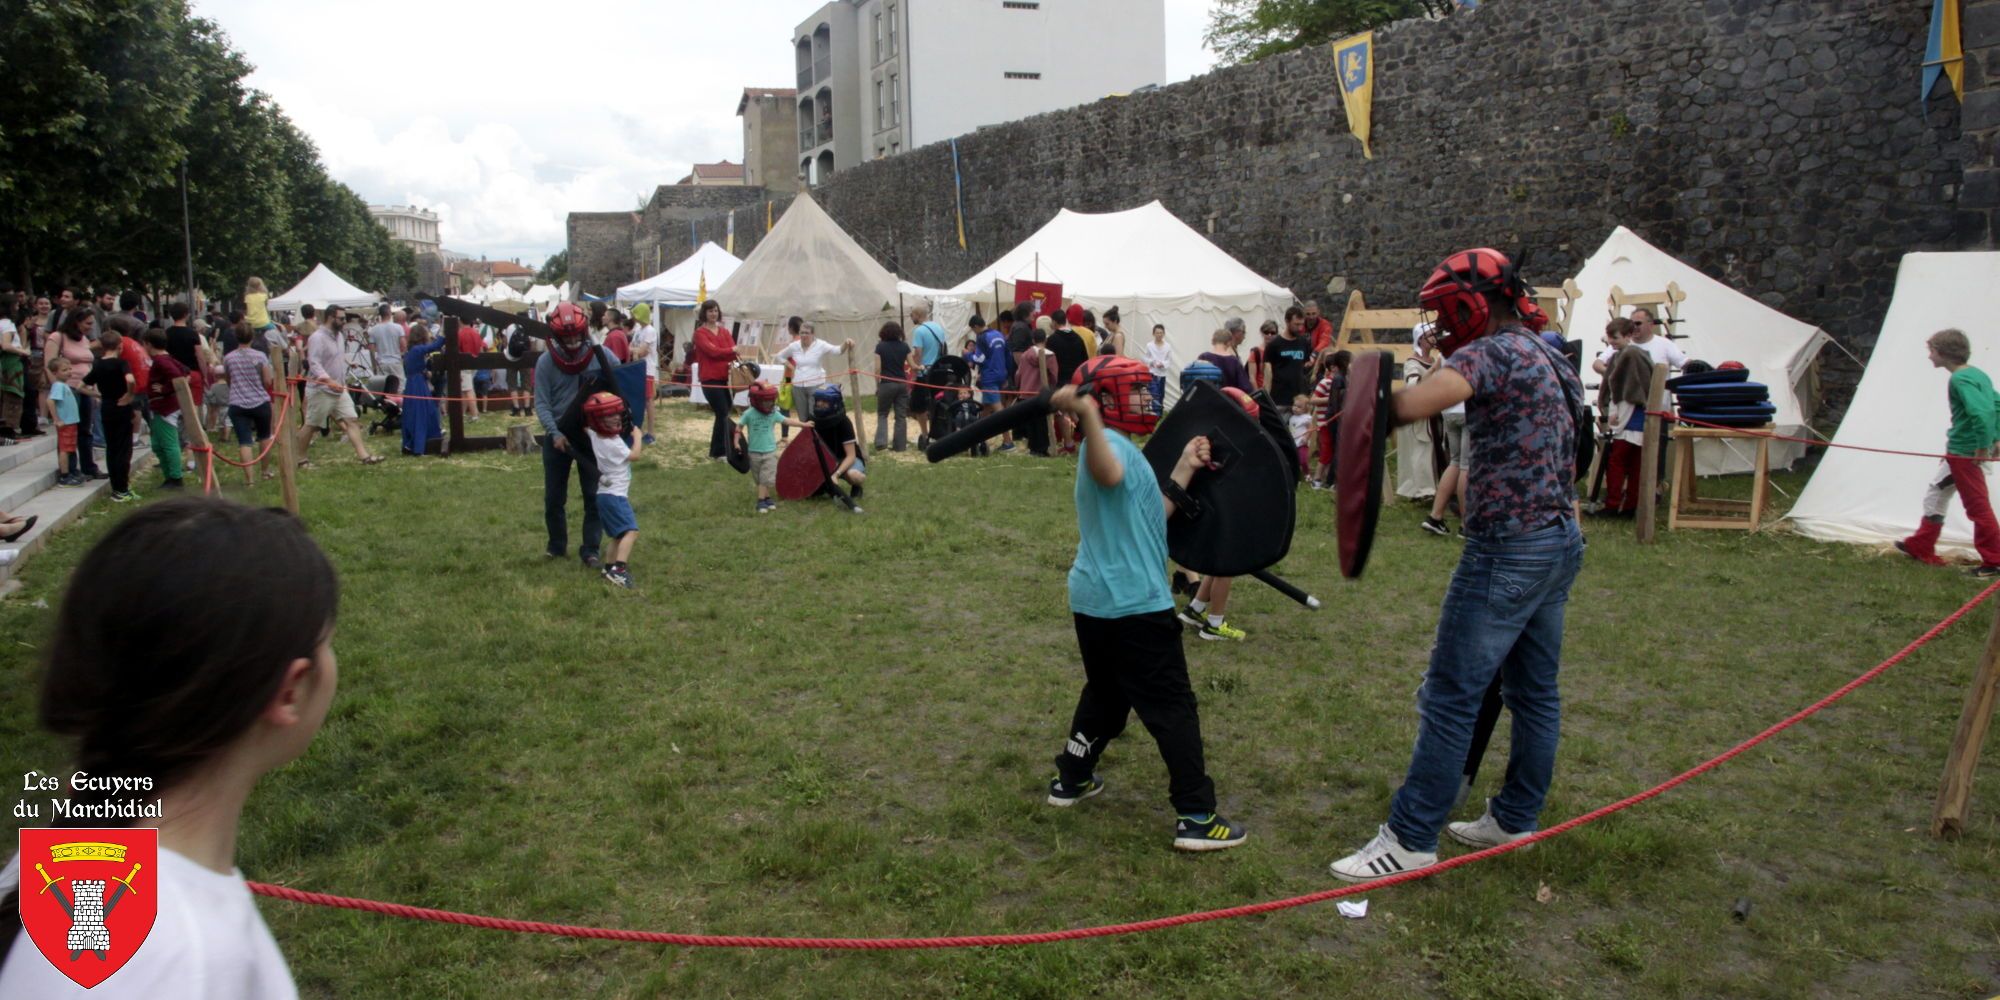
717 395
117 446
1134 664
1037 433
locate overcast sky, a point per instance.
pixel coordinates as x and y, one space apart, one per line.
507 115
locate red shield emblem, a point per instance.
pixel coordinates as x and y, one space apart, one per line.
88 897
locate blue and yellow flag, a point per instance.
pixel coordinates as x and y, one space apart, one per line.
1354 58
958 193
1943 53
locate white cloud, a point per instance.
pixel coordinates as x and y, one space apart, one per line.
508 115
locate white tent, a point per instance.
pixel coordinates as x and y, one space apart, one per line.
323 288
808 266
501 295
681 284
1151 265
543 296
1860 496
1719 324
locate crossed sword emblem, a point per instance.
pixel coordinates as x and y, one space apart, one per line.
124 885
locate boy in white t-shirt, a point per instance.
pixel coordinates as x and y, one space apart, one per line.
609 424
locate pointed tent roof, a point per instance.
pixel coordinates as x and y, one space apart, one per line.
1718 324
680 285
323 288
1140 253
808 266
1872 498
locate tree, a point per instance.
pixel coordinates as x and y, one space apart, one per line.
1248 30
555 270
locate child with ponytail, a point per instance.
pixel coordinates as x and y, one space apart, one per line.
203 693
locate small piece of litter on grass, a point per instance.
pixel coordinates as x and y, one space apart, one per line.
39 603
1545 894
1741 911
676 746
1352 911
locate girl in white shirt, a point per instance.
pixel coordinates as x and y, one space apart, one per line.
201 696
1159 358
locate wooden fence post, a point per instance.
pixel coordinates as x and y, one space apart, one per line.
1649 457
288 465
191 429
1955 790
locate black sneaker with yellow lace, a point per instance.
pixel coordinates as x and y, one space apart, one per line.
1210 832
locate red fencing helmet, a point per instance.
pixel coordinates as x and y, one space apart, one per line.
1730 366
1122 387
1460 292
605 413
569 341
1243 400
763 396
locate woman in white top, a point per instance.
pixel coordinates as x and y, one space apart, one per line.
806 359
197 698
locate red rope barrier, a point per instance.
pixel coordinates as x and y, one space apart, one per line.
284 406
1109 930
1747 432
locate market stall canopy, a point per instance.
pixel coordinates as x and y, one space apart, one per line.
323 288
808 266
682 284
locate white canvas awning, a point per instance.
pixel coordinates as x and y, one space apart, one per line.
808 266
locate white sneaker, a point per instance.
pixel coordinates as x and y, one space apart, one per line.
1484 832
1384 856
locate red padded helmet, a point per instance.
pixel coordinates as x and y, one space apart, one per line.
569 340
763 396
1730 366
605 413
1122 387
1243 400
1458 296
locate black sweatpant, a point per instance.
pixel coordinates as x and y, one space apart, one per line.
117 446
1037 433
716 395
1134 664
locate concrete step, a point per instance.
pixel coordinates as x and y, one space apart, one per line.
27 451
24 482
54 507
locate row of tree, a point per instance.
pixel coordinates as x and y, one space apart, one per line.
1247 30
115 115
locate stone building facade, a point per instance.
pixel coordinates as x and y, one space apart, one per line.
1780 147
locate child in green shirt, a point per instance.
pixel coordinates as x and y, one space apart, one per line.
1975 427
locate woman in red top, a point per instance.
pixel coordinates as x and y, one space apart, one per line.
715 353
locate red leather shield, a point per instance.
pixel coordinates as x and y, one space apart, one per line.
1361 441
89 897
804 467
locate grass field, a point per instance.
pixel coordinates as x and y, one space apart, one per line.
813 723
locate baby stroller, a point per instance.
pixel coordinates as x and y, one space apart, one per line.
377 394
951 409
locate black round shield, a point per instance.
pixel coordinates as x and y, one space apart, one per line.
1362 441
1245 519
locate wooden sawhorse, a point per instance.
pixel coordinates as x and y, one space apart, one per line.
1689 509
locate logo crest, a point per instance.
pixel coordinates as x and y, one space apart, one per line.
89 897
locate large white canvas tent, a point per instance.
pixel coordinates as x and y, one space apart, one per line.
543 296
808 266
1151 265
1860 496
1720 324
323 288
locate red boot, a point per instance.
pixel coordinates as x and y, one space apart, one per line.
1922 546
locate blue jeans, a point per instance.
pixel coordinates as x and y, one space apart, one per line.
1503 613
555 489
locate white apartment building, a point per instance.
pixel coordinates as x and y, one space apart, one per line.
877 77
416 227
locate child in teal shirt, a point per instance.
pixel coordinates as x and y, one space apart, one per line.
760 423
1126 631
